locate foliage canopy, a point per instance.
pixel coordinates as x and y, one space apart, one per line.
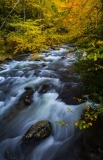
34 25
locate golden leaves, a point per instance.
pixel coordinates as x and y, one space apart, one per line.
62 123
95 57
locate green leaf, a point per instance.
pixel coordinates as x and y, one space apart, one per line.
101 55
100 48
80 126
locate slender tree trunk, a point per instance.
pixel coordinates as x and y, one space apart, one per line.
9 14
24 12
41 12
102 18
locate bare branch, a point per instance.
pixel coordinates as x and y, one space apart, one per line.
9 14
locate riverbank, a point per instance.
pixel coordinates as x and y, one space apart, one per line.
5 57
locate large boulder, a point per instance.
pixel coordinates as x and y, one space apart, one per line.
71 92
39 130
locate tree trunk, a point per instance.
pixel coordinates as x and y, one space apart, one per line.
24 13
102 18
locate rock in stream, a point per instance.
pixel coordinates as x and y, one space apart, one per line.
37 131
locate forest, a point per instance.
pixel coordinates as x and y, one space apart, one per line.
51 79
31 26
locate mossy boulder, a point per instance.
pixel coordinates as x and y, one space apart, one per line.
37 131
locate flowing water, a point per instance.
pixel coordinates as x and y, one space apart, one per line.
16 117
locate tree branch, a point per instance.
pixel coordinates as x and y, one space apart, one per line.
9 14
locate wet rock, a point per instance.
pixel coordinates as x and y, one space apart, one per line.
71 45
73 50
43 64
65 72
38 59
24 101
71 92
28 88
34 66
27 93
45 88
63 57
37 72
9 155
70 55
27 101
8 58
39 130
65 46
44 51
1 60
73 78
55 47
3 67
47 54
27 96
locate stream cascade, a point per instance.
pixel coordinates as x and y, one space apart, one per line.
36 90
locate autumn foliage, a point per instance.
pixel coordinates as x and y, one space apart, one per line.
31 25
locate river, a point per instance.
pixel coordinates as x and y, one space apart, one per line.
53 83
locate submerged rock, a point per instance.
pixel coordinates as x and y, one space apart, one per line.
39 130
9 155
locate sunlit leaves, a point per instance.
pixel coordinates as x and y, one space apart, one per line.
62 123
90 115
58 21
